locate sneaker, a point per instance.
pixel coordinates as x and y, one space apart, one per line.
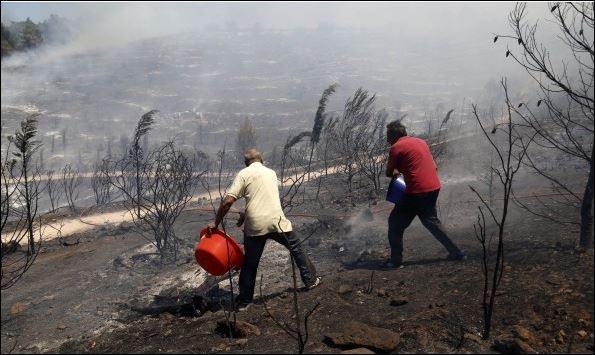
392 265
241 306
316 283
457 257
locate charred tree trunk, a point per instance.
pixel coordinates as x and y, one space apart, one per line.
28 206
586 234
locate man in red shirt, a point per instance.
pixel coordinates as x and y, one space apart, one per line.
411 157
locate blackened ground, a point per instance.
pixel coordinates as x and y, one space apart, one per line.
79 298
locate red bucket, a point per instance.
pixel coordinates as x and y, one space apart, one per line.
211 252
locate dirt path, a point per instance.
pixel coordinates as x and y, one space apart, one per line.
71 226
67 227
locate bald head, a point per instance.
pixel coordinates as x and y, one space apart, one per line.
252 155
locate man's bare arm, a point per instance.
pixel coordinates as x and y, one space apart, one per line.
226 204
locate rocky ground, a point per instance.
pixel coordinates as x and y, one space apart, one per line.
109 293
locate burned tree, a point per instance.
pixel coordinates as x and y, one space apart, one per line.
21 189
319 122
510 153
53 190
168 179
71 180
437 139
371 157
325 153
351 133
292 173
100 182
64 140
28 191
136 154
562 118
8 185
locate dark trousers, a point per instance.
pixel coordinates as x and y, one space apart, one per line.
422 205
253 248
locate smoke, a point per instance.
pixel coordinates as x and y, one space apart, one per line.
361 232
207 66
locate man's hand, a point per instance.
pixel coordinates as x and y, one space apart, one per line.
211 226
241 219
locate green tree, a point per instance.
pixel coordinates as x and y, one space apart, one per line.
31 35
7 41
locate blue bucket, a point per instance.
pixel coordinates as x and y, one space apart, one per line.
396 190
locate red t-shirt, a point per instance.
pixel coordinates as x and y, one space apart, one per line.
412 157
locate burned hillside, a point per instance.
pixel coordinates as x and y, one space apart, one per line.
124 145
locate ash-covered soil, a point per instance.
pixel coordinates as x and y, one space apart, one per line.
109 293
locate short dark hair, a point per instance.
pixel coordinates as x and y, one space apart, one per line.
396 129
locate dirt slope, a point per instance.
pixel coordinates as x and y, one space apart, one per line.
78 298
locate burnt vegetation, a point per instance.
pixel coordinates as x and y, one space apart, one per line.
523 154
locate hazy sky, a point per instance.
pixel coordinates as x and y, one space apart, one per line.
449 17
458 26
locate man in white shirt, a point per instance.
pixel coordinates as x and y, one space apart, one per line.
264 219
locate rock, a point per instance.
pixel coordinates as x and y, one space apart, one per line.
18 307
512 346
358 351
344 289
524 334
241 329
247 328
582 333
398 301
220 347
61 327
357 334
